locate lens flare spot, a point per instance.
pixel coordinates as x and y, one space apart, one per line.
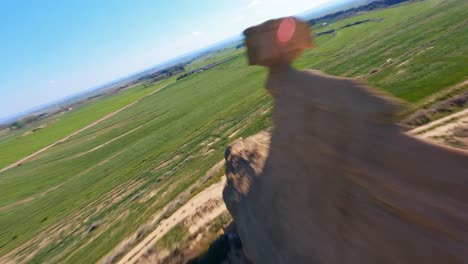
286 30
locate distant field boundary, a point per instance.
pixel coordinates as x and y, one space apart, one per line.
21 161
209 66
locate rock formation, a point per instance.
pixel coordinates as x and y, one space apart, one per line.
338 182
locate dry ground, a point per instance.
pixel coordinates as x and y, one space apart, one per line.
449 131
194 212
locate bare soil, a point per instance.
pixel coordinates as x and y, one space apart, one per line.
450 131
201 209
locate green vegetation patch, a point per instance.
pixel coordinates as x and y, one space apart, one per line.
174 238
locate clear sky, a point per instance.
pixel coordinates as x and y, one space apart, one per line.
51 49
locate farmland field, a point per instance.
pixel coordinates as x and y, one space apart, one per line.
79 199
75 185
213 57
16 146
410 51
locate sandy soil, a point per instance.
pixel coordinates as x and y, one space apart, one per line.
449 131
213 192
420 131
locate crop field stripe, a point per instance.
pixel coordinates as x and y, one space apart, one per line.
77 132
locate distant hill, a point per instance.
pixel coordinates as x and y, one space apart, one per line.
353 11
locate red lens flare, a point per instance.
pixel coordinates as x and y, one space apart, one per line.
286 30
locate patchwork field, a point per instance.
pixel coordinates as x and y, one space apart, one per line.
76 201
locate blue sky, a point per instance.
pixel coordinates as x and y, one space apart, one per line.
51 49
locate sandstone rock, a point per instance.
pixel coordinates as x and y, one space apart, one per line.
338 182
277 41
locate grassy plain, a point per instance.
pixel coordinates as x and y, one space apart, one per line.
410 51
22 143
213 57
76 201
118 186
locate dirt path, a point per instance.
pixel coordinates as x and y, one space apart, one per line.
79 130
422 130
188 209
449 131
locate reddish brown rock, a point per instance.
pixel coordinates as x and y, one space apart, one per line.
277 41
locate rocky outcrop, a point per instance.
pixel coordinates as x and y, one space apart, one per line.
338 182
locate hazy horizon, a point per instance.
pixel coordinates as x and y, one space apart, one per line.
57 50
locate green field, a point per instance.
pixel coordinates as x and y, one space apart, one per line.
213 57
426 42
16 146
76 201
71 184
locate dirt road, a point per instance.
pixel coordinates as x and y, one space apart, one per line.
449 131
188 209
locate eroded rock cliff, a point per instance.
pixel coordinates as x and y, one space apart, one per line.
338 182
